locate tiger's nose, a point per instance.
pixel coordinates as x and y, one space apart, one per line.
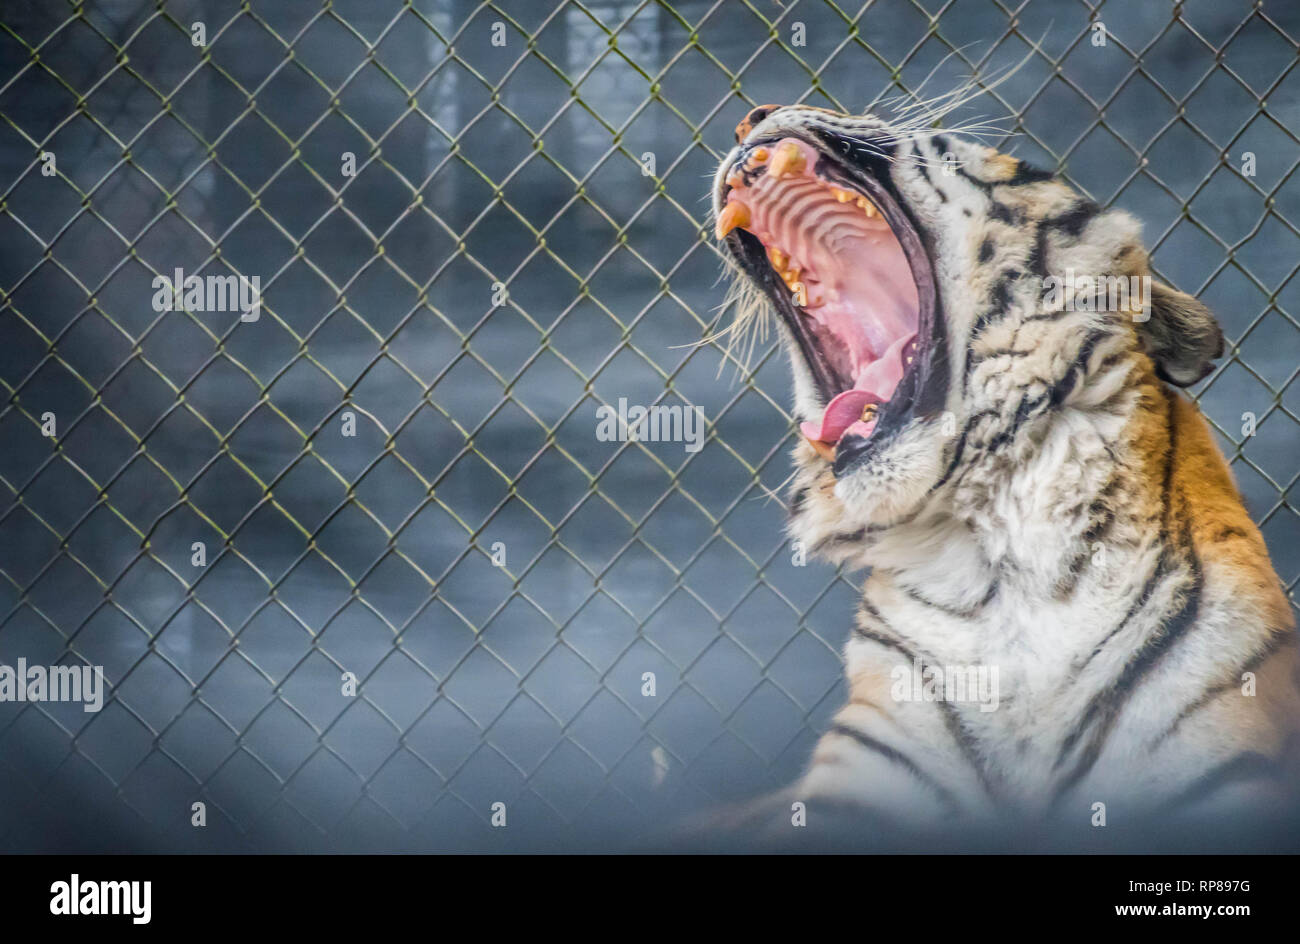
754 117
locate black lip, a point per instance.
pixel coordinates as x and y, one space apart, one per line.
748 248
922 391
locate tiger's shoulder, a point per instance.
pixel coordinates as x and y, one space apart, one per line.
1246 624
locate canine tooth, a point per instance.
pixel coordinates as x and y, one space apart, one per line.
787 159
732 215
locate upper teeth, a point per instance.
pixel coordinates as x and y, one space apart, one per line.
787 159
736 214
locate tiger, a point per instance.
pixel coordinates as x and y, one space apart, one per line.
987 382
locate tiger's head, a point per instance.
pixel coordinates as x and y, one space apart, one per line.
938 299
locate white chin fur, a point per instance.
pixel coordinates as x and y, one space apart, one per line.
895 480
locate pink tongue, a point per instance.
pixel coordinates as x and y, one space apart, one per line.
875 384
841 413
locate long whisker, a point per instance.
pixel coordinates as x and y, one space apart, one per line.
774 494
924 114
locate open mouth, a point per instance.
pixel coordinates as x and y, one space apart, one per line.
846 268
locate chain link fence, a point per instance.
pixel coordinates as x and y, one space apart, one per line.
355 562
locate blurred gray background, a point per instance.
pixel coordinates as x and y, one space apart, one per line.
519 163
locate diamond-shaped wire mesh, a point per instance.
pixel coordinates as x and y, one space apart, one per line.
520 239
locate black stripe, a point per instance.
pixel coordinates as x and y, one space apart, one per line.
1037 263
1028 174
1024 411
896 757
1229 531
1105 708
844 537
1100 513
1248 765
1279 640
889 642
1024 173
1048 315
952 721
1073 220
999 303
988 597
853 537
1058 393
1163 562
924 164
1005 352
1111 359
959 449
969 613
1158 574
1162 569
889 637
1065 587
1001 296
1005 214
1030 409
1101 516
1065 386
1062 388
1107 705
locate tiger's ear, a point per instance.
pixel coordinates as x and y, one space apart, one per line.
1181 336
